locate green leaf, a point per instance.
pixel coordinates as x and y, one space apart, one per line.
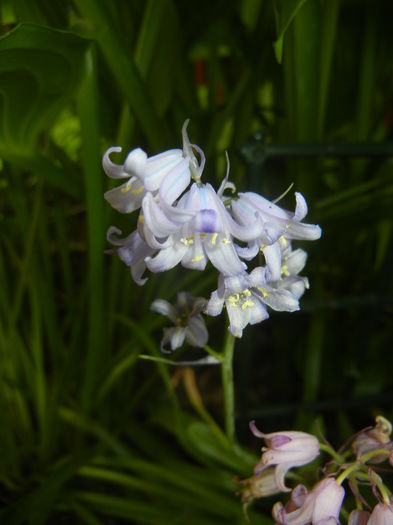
285 11
41 67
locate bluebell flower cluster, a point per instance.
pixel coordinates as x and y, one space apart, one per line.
184 220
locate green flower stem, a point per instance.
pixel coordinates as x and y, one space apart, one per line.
329 450
228 388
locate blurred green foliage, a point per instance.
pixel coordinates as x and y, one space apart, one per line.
89 433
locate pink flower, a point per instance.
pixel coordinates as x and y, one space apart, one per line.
382 514
320 507
358 517
285 449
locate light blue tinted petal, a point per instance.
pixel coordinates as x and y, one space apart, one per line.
247 252
195 256
155 218
133 253
302 232
175 183
177 337
280 300
174 336
214 305
112 236
135 163
222 255
197 334
236 283
272 255
127 197
153 242
301 207
295 261
258 312
164 308
294 284
238 319
114 171
159 166
166 259
264 206
258 277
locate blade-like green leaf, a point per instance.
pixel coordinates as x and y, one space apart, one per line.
285 11
41 67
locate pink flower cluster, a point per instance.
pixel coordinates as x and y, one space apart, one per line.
322 504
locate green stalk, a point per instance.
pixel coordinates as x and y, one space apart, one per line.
228 388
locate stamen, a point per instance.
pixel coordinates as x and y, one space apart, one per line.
224 240
284 270
247 304
214 238
138 190
283 240
263 292
197 258
127 187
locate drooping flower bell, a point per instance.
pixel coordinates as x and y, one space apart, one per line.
246 297
189 324
285 450
382 514
321 506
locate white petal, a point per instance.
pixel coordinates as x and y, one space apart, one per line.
214 305
302 232
223 255
164 308
197 334
247 252
114 171
272 255
195 256
238 319
135 163
301 207
159 166
155 218
175 183
127 197
166 259
295 261
280 300
258 312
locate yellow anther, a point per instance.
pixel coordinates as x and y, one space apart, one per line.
246 292
247 304
141 219
214 238
283 240
188 241
284 270
263 292
203 234
233 299
224 240
138 190
127 187
197 258
261 248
